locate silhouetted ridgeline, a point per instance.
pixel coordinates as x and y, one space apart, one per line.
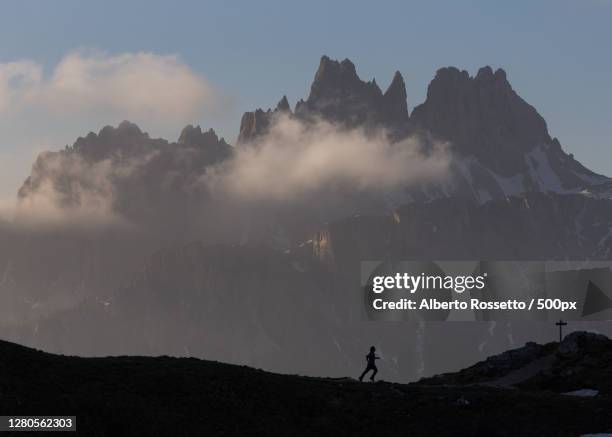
184 397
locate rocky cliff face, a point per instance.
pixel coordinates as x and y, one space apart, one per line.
483 117
299 309
339 96
534 226
122 171
500 143
90 214
255 124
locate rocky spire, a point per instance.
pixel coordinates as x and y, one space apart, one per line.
334 79
211 149
190 134
255 124
283 105
252 125
395 104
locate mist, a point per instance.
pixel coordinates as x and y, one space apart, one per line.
296 158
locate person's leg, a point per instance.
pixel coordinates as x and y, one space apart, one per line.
375 371
363 374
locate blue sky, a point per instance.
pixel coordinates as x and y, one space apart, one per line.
556 54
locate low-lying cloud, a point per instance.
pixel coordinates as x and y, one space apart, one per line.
71 191
296 159
176 186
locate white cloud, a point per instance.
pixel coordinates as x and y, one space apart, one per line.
296 159
136 86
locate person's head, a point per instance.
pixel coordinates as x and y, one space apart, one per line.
372 349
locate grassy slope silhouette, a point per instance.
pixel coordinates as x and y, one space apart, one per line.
187 396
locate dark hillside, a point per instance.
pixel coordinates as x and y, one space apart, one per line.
183 396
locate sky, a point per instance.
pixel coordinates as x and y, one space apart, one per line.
70 67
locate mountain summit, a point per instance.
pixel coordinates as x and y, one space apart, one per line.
500 143
338 95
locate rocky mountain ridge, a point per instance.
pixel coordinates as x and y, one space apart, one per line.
500 143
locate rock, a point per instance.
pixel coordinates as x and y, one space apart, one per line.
581 343
255 124
338 95
212 148
395 103
122 170
499 142
283 105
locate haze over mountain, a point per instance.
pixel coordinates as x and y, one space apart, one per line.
251 254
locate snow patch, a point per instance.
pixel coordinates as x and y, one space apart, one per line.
542 172
510 185
593 179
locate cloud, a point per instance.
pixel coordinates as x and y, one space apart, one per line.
137 86
165 186
68 190
296 159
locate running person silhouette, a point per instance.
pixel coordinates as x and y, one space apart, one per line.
371 358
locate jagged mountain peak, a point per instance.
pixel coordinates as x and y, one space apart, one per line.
194 136
395 99
336 79
483 117
397 83
283 105
339 95
110 168
333 70
451 77
486 73
126 138
123 129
